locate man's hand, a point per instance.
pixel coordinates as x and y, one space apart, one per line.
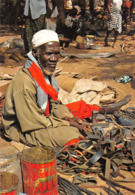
110 17
81 128
79 124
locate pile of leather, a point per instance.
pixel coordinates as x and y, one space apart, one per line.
102 153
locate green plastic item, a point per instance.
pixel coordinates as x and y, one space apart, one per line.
125 79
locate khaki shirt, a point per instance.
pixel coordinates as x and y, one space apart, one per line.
21 113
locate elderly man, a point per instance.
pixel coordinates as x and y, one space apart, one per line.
27 111
31 112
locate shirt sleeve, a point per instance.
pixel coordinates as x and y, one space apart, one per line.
29 115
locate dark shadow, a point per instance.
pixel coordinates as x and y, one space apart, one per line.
133 83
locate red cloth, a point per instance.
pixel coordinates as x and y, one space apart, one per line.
47 88
81 110
72 142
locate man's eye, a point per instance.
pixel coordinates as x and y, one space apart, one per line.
48 53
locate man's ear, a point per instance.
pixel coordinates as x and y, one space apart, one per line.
34 52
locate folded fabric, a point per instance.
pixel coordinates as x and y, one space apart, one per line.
82 110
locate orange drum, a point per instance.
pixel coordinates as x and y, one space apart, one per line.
8 183
39 171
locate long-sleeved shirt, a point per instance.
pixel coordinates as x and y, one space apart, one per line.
35 7
21 113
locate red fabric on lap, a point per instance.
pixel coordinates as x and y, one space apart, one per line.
81 109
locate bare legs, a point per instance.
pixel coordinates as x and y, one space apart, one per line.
115 37
107 35
106 38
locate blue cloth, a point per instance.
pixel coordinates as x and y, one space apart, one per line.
42 97
36 8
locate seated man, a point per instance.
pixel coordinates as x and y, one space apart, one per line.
30 111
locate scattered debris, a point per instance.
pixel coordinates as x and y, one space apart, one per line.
127 47
103 153
14 54
88 55
6 77
62 60
13 43
64 42
58 71
124 79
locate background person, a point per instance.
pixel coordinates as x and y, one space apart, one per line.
34 13
52 14
114 19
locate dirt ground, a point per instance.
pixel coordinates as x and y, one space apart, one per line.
101 69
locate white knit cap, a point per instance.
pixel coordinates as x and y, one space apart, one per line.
44 36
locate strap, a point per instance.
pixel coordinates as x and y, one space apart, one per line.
115 172
116 184
95 158
133 149
107 168
82 181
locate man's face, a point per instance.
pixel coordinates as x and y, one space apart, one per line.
48 56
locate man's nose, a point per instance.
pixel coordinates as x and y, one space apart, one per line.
53 57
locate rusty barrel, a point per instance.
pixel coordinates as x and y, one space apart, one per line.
39 171
8 183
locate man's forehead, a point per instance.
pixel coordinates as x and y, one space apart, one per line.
51 45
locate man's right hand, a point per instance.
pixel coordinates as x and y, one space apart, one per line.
79 124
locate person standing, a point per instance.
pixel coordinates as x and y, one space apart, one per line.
34 13
52 13
114 19
55 16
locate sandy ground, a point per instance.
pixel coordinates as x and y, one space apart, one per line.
101 69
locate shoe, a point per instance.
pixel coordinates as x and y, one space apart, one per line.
124 119
110 109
